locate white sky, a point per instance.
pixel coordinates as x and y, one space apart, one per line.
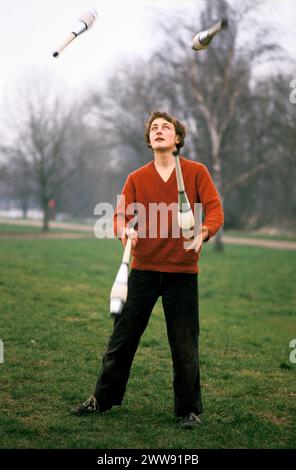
32 29
36 27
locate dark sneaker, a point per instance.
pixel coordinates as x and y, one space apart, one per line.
190 421
89 406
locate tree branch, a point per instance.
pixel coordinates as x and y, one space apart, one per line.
239 180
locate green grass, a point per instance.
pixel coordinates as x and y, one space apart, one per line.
55 324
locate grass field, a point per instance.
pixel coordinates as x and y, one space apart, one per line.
55 324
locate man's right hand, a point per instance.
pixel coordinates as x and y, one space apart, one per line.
132 234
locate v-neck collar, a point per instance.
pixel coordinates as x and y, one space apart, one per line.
170 178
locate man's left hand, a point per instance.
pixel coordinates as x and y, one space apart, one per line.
196 243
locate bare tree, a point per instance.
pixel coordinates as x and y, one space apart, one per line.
5 187
215 93
212 85
265 179
41 149
21 184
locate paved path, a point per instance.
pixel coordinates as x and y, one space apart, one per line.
265 243
53 224
43 236
87 232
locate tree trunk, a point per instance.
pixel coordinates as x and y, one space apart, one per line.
217 177
24 210
45 217
219 237
219 240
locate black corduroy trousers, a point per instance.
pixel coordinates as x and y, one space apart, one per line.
179 292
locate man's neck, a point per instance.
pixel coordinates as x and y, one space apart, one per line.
164 159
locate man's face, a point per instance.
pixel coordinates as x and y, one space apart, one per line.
163 135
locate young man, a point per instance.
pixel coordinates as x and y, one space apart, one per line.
161 266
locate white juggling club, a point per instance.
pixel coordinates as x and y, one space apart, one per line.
119 289
83 23
185 214
118 294
203 39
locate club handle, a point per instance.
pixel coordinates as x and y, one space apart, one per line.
127 251
222 24
66 42
180 181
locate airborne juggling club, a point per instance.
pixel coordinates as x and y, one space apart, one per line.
203 39
83 23
185 214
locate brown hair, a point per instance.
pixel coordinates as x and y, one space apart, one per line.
179 127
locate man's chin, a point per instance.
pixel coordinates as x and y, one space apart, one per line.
161 148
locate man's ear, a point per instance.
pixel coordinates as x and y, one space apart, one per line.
177 139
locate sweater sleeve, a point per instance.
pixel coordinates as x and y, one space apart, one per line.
211 203
125 208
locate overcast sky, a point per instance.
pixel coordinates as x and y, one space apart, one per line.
36 27
32 29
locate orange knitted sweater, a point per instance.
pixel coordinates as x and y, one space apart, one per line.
145 185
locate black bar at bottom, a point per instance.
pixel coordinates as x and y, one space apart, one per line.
132 458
